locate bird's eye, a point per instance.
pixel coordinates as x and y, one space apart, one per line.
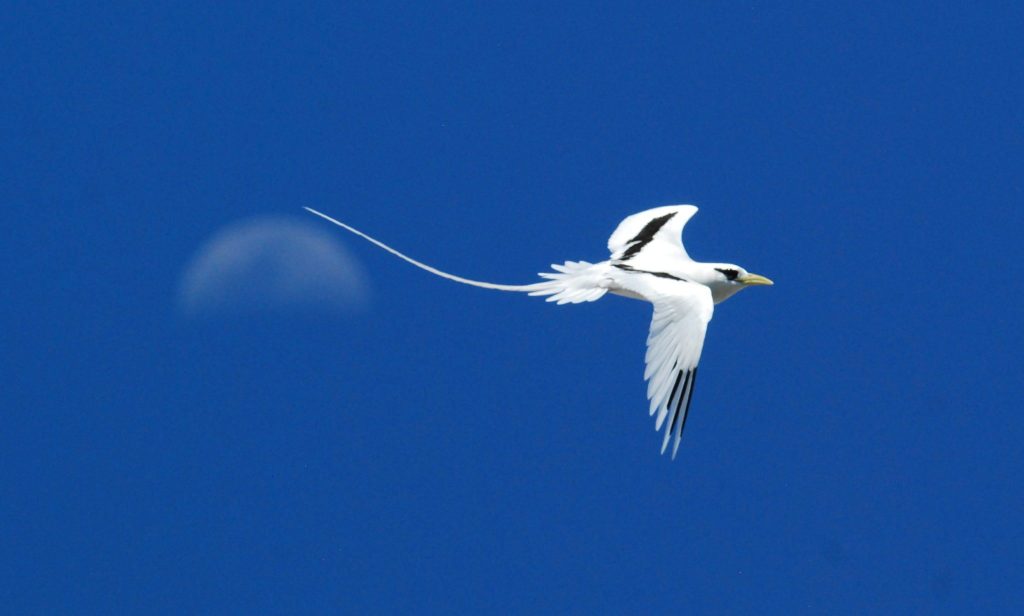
731 274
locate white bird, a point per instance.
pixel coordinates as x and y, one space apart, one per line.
648 262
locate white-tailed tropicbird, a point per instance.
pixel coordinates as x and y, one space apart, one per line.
649 263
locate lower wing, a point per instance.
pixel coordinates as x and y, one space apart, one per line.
682 311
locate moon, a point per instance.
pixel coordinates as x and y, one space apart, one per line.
271 265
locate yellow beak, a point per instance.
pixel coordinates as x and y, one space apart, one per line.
754 279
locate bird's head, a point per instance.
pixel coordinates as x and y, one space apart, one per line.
725 279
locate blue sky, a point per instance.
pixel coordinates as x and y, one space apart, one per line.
855 440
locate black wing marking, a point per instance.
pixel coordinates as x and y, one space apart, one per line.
679 408
645 236
630 268
686 412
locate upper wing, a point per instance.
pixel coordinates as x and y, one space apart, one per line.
657 232
682 311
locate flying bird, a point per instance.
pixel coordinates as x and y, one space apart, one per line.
648 262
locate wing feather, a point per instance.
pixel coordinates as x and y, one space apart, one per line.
682 311
654 232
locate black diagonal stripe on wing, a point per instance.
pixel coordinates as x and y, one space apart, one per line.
645 236
630 268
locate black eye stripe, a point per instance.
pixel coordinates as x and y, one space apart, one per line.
731 274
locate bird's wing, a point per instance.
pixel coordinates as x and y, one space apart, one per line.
656 232
682 311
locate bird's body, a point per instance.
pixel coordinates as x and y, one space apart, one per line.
648 262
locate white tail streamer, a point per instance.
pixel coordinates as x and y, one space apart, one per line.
424 266
575 282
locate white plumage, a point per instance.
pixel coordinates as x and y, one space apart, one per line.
648 262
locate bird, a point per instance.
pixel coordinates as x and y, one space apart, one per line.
648 262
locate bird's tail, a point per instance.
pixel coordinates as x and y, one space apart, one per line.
574 282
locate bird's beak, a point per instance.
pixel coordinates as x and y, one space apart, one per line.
754 279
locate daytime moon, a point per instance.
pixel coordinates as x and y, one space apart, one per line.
271 265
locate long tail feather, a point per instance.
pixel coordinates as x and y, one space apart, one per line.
424 266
